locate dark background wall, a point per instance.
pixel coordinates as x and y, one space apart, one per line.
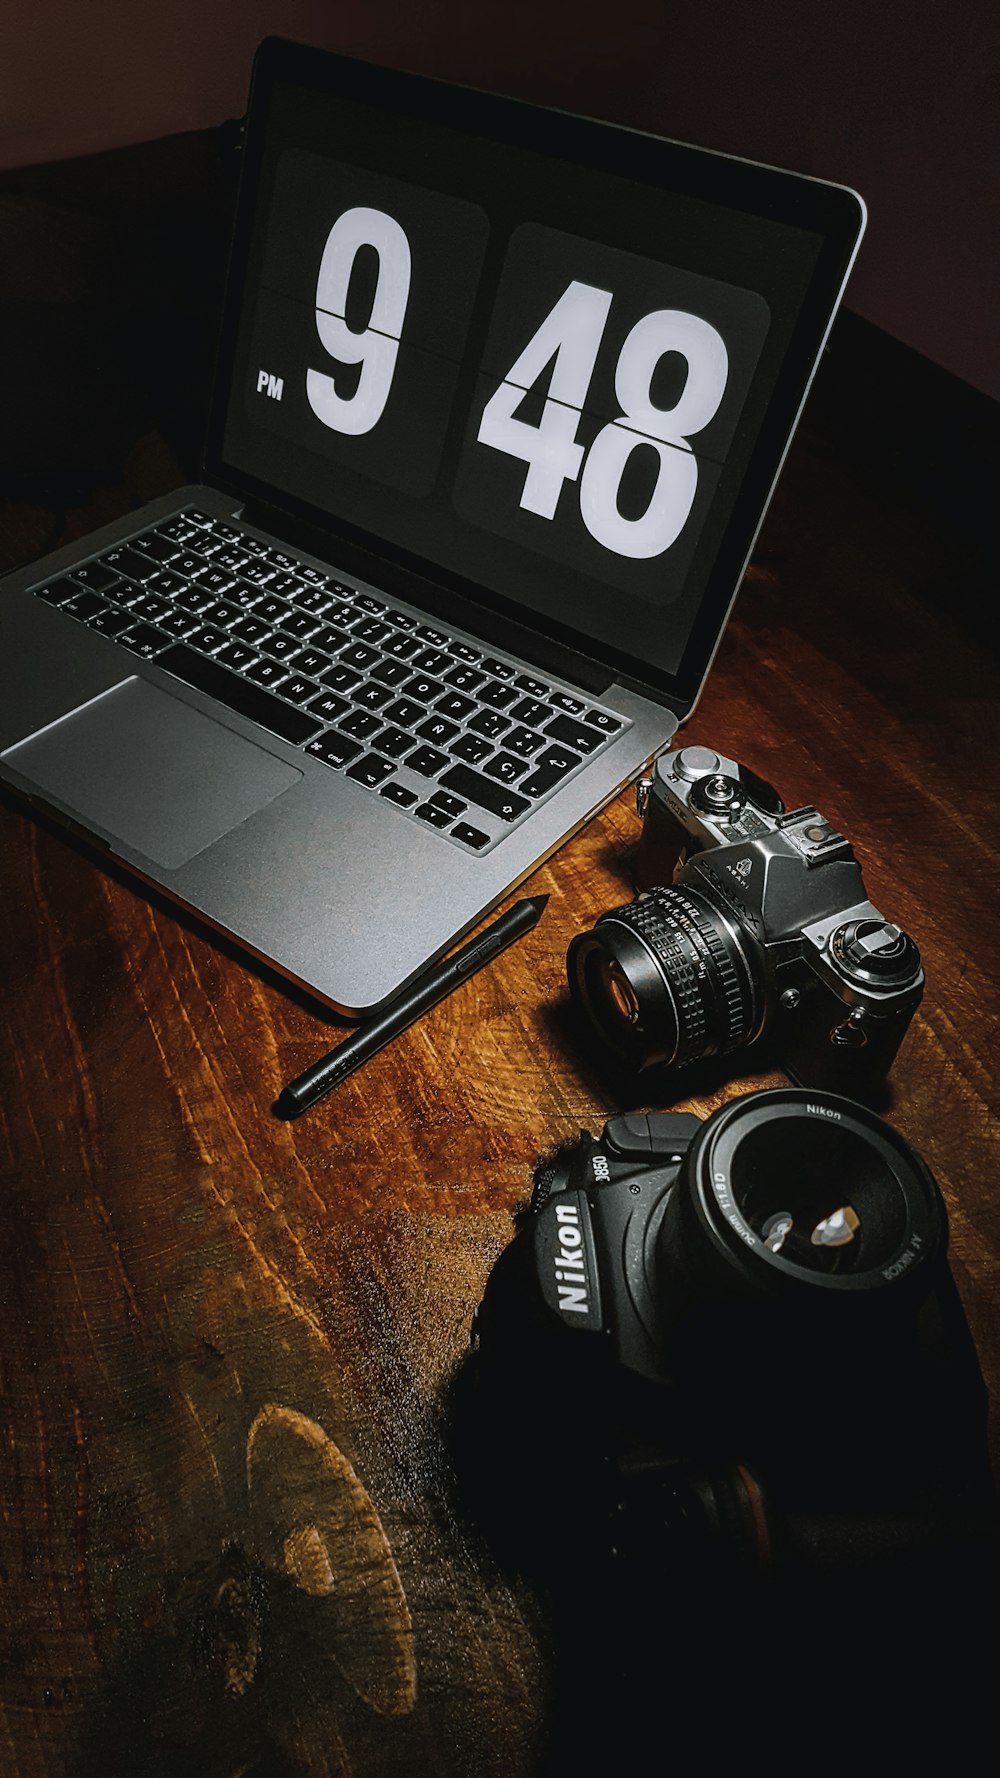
896 99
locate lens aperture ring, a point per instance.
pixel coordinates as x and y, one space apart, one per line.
709 977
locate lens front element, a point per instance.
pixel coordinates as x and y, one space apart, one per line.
666 979
802 1189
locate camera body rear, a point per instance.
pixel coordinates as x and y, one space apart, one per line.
751 920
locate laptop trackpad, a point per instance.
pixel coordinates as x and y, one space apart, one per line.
151 771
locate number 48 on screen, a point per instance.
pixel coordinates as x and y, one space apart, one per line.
572 332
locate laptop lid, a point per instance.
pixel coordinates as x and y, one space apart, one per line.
549 364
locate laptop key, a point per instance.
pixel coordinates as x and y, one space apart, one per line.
267 673
404 713
179 530
391 672
237 693
470 836
340 678
499 669
207 640
601 719
177 622
299 689
279 645
249 629
574 734
490 723
427 761
110 621
436 729
452 805
314 598
96 575
217 579
302 624
401 646
130 562
463 652
58 592
395 742
309 661
371 771
560 700
272 608
193 598
330 637
85 604
334 749
536 688
220 612
550 768
529 710
436 638
233 559
473 749
189 564
399 793
361 725
454 706
465 678
524 741
359 655
432 660
498 799
434 817
370 629
166 581
372 696
506 768
329 706
247 597
144 640
493 692
238 656
162 549
423 689
261 573
367 603
151 607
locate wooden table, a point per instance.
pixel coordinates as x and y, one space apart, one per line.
229 1538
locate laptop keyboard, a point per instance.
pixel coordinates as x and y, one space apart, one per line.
458 738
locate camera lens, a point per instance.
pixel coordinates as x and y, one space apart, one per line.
798 1192
666 979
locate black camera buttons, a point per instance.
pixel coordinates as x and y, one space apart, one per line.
636 1136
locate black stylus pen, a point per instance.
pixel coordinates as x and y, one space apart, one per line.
425 993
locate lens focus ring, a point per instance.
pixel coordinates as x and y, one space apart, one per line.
709 979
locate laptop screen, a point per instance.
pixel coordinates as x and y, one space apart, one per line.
552 362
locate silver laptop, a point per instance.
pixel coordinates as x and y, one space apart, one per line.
502 395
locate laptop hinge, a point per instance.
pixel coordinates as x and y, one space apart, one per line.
447 602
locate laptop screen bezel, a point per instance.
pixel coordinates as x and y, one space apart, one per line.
834 213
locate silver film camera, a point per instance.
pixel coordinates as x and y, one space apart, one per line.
752 922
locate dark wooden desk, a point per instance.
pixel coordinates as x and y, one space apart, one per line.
229 1541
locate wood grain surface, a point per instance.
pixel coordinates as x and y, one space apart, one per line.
229 1541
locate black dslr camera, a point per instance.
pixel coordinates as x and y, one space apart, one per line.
734 1348
750 922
